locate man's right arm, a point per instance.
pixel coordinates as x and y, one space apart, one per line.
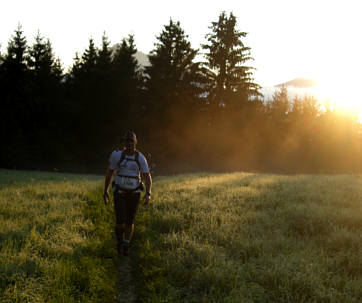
107 180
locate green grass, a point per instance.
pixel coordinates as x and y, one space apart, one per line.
56 244
206 238
251 238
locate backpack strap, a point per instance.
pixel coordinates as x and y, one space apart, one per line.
123 156
137 160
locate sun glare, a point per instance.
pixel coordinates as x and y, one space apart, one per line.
343 94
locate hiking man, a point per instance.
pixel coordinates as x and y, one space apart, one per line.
128 167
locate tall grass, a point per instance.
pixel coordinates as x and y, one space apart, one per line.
251 238
56 239
206 238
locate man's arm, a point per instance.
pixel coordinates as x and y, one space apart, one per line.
107 180
148 180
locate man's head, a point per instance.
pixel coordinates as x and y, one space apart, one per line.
129 140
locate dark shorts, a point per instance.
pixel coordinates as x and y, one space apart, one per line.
125 207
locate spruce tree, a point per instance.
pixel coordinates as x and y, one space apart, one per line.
46 74
174 79
15 101
90 57
104 62
1 57
125 65
128 81
15 74
230 79
42 61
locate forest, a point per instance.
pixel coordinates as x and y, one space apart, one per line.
192 109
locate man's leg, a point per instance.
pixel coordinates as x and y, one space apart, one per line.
120 212
132 206
120 231
128 231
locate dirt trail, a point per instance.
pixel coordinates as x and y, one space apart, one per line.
126 286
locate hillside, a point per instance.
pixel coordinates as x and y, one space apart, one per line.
299 83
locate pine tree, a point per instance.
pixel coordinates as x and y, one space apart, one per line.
75 70
17 50
104 62
226 56
280 105
15 76
46 73
1 57
90 57
42 61
125 65
174 79
15 100
128 81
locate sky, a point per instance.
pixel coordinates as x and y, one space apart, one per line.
317 39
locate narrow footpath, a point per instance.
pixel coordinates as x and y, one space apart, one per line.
126 286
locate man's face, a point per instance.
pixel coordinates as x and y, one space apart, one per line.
129 144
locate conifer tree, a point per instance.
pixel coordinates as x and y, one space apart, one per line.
75 69
226 57
17 51
90 57
280 105
15 103
104 62
15 74
46 73
128 81
42 61
1 57
174 79
124 63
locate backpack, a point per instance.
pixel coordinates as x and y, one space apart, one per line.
123 156
136 159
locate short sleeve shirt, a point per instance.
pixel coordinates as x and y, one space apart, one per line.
128 167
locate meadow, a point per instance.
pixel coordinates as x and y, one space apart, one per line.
55 240
244 237
238 237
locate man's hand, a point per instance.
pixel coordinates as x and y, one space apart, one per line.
148 180
107 181
146 199
106 197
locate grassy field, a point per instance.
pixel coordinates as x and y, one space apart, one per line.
252 238
206 238
55 239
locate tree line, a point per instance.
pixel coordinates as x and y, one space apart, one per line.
192 109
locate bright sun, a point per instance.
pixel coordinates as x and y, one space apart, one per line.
343 94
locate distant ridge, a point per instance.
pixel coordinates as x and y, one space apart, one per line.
299 83
142 59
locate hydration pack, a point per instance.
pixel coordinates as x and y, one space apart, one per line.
131 183
123 157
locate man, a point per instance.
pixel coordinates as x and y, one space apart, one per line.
128 165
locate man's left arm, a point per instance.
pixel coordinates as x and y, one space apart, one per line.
148 181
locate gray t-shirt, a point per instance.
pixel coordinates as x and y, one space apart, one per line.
127 168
